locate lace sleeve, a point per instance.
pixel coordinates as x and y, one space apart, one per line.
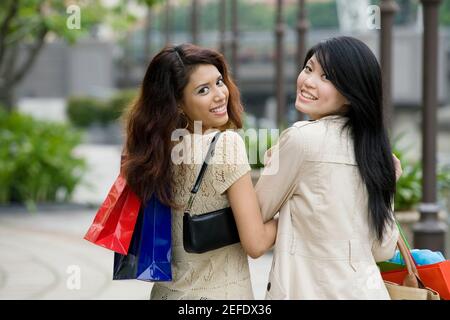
230 161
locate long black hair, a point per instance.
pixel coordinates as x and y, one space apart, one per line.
353 69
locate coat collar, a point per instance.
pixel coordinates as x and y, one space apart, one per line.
333 117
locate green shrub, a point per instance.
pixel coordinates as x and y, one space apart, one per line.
118 103
409 185
444 183
36 160
256 141
84 111
260 145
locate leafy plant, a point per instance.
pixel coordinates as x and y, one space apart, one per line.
85 111
117 104
36 160
444 184
409 185
256 147
257 142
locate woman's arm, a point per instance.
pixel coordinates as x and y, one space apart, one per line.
398 167
232 176
385 249
256 237
280 175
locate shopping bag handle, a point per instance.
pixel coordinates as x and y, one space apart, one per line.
412 278
402 234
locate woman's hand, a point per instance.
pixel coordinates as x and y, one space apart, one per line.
398 167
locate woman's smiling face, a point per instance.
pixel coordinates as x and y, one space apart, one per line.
316 95
205 97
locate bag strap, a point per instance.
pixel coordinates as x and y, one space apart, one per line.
199 179
402 234
412 278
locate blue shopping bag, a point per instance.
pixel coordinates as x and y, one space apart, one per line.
149 254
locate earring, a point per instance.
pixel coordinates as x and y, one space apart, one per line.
184 117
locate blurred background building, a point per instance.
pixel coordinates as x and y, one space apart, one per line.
106 61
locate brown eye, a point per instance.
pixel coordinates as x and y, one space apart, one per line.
203 91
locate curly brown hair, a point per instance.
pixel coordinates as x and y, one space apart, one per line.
154 115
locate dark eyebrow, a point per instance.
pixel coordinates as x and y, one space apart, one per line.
204 84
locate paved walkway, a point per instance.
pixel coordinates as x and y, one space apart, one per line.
43 253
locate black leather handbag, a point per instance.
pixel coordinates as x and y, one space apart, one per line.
212 230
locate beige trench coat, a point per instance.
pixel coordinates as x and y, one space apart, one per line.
325 248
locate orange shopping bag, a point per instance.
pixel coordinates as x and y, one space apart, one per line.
435 276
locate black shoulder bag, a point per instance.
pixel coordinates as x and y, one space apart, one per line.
212 230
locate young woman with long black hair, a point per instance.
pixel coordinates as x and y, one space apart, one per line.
335 183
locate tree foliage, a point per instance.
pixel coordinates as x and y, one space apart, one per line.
444 13
25 26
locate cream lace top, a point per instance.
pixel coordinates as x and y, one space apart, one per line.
218 274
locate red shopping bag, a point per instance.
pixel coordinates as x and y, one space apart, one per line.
435 276
114 222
